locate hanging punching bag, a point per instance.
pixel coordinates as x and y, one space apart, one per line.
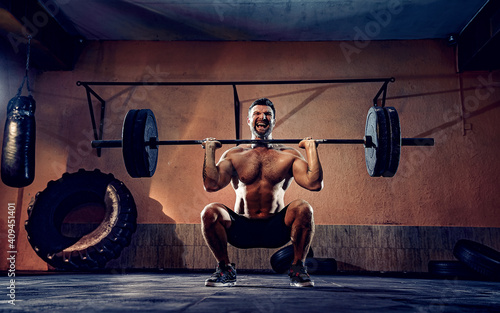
18 149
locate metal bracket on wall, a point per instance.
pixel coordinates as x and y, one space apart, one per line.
383 91
99 134
90 92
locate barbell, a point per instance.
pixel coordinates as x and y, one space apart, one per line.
382 142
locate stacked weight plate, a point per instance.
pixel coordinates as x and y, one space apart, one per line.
382 155
139 127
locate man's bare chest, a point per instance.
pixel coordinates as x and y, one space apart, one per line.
269 165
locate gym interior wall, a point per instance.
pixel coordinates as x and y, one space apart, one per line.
438 195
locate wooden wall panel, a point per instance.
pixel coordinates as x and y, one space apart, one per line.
355 247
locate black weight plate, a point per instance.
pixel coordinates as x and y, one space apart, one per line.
376 155
152 132
138 128
451 269
283 258
127 143
321 265
146 157
395 142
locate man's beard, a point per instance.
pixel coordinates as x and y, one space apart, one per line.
261 134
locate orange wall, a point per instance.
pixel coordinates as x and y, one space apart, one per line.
454 183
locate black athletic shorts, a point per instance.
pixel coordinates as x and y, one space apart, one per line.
258 233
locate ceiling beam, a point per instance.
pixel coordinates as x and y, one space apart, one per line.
52 48
478 47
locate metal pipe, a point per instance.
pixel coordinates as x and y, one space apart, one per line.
272 82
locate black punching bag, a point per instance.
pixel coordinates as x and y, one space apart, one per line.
18 149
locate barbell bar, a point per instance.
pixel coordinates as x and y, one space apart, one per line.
367 142
382 142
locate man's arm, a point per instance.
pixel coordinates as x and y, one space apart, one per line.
308 174
215 176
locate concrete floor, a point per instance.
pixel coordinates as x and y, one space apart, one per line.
255 292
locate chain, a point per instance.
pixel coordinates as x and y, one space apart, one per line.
26 77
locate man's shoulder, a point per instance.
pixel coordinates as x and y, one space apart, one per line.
289 152
236 150
240 148
287 149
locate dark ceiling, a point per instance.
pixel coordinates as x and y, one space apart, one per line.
291 20
60 28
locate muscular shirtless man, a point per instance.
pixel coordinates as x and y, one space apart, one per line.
260 174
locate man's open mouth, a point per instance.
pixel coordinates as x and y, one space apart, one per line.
261 125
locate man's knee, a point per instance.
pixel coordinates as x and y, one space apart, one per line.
212 213
209 212
302 207
301 211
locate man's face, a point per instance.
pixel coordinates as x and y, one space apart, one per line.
261 121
